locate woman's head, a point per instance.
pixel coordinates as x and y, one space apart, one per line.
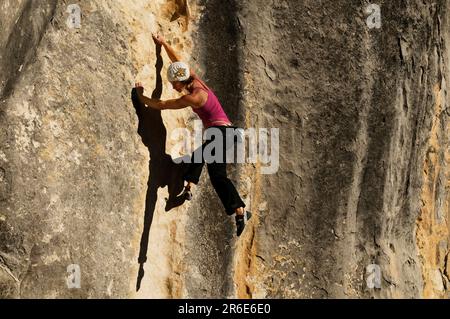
179 75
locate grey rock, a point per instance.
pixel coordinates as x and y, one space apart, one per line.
363 175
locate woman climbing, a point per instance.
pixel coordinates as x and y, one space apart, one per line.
205 104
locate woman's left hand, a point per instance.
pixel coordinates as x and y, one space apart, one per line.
139 88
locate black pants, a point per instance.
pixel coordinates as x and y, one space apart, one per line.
217 171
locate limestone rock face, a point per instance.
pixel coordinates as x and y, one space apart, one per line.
88 185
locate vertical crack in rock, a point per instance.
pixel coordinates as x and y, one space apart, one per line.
360 149
210 231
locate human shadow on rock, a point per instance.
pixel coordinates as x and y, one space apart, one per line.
163 171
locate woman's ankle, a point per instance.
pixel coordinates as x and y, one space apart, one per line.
239 211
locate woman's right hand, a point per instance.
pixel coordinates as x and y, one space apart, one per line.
159 39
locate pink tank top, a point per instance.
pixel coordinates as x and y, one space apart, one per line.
212 111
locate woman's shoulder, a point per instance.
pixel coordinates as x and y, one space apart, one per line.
199 80
200 93
199 88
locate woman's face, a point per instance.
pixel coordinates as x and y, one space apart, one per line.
177 85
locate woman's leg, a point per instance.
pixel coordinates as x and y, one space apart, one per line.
225 189
223 186
194 171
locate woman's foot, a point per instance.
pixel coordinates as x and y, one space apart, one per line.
187 193
241 221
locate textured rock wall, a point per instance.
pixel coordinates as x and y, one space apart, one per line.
86 175
74 169
363 147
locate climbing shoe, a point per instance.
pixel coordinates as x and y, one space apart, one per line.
241 221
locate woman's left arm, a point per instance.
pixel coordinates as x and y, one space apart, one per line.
193 100
156 104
